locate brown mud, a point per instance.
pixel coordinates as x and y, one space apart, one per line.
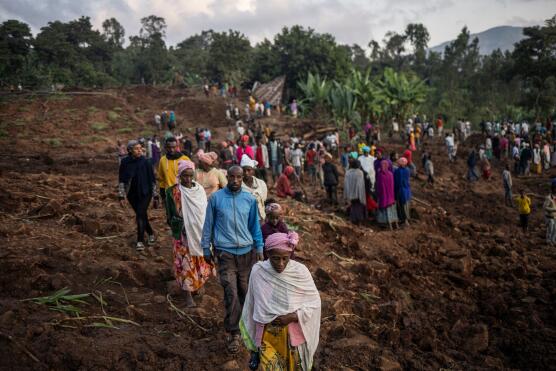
462 288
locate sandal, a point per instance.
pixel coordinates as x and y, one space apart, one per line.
232 343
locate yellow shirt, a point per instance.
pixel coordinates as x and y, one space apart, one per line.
523 204
167 171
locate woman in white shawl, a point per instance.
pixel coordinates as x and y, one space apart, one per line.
255 186
354 191
280 322
186 204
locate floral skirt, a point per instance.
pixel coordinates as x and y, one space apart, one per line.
191 272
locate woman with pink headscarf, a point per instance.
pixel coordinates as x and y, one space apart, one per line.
280 322
186 204
387 213
208 176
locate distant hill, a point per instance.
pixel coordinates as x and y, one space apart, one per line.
501 37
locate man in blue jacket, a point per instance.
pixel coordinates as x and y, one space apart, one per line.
232 227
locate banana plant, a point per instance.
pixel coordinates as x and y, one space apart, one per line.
315 94
401 94
343 104
368 94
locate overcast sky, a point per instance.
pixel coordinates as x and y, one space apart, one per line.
350 21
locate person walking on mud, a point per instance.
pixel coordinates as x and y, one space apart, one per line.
507 181
137 183
167 170
524 207
232 228
186 204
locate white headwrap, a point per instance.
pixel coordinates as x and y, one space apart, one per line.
247 161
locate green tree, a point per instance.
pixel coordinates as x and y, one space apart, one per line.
535 62
192 54
149 52
302 51
229 56
114 33
15 46
265 62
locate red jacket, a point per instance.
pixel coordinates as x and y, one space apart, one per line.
283 187
248 151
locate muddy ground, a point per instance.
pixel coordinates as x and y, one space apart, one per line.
460 289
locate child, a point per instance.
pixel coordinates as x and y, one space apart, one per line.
274 222
429 169
524 207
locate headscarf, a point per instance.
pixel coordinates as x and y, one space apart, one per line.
182 166
402 161
366 149
245 138
132 143
288 170
282 241
224 144
207 158
354 155
247 161
328 155
275 207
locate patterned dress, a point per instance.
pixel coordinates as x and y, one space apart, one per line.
191 271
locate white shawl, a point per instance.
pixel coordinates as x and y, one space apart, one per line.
260 192
193 209
274 294
354 186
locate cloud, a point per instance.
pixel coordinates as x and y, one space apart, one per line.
349 21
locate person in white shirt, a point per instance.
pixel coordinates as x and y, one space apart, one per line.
295 159
524 128
157 121
450 145
367 164
240 129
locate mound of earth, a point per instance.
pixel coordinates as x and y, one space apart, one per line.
461 288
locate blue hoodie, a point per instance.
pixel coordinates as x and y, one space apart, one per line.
232 223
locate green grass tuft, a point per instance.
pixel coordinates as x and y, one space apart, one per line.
54 142
99 126
94 139
112 116
124 130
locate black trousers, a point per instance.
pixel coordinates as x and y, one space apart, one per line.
331 193
140 205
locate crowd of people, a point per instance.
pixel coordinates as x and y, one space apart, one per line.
224 222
